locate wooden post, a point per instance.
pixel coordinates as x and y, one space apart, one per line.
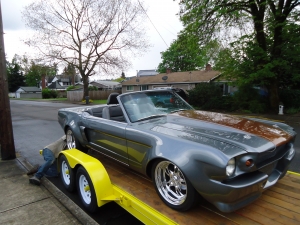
7 146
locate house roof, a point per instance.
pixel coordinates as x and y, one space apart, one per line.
56 85
105 83
175 77
142 73
30 89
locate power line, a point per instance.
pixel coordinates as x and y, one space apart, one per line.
152 22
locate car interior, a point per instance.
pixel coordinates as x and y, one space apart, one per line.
113 112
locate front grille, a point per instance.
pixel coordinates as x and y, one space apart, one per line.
269 157
269 168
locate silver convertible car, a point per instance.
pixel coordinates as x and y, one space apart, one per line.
228 160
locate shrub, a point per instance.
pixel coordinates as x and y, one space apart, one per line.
209 97
248 98
290 98
53 94
70 88
204 94
292 110
220 103
93 88
257 107
47 93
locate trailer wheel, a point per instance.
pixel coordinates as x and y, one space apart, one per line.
66 174
172 186
86 190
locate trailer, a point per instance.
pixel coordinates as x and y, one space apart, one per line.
100 180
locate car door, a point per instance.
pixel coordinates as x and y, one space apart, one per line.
108 137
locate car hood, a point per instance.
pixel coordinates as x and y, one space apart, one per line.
223 131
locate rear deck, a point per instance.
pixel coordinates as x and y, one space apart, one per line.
278 205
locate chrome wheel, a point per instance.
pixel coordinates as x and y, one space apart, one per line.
84 189
70 139
65 173
170 183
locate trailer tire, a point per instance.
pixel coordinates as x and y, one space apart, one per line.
67 175
86 190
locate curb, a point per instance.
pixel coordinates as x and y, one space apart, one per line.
74 209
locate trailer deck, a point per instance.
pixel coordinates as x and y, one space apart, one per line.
278 205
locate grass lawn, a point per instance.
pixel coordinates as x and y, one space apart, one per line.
97 102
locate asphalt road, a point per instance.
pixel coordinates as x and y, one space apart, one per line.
35 126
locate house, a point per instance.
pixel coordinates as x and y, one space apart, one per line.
106 85
29 92
59 82
185 80
143 73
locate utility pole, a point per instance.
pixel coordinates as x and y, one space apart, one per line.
7 145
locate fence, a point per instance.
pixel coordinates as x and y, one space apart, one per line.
77 96
30 95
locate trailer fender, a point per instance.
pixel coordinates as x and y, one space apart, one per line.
97 172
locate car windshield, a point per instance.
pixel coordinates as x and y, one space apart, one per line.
152 104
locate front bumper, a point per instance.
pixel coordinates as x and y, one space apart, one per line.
236 193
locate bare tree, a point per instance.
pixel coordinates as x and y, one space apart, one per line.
96 36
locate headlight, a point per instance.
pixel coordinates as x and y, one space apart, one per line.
230 167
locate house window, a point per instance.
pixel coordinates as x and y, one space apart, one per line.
129 88
144 87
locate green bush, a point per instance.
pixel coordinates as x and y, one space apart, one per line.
93 88
292 110
70 88
209 97
204 94
47 93
257 107
224 103
290 98
248 98
53 94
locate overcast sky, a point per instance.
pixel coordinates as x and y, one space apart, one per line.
161 12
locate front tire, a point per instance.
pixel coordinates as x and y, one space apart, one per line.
72 142
172 186
67 175
86 190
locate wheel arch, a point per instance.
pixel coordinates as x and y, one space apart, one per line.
66 128
150 165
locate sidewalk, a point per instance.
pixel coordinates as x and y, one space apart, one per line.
24 203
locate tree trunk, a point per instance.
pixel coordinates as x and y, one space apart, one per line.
273 94
85 80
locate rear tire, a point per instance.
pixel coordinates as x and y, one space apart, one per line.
174 189
86 190
72 142
67 175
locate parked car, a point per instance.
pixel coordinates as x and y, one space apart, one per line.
228 160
